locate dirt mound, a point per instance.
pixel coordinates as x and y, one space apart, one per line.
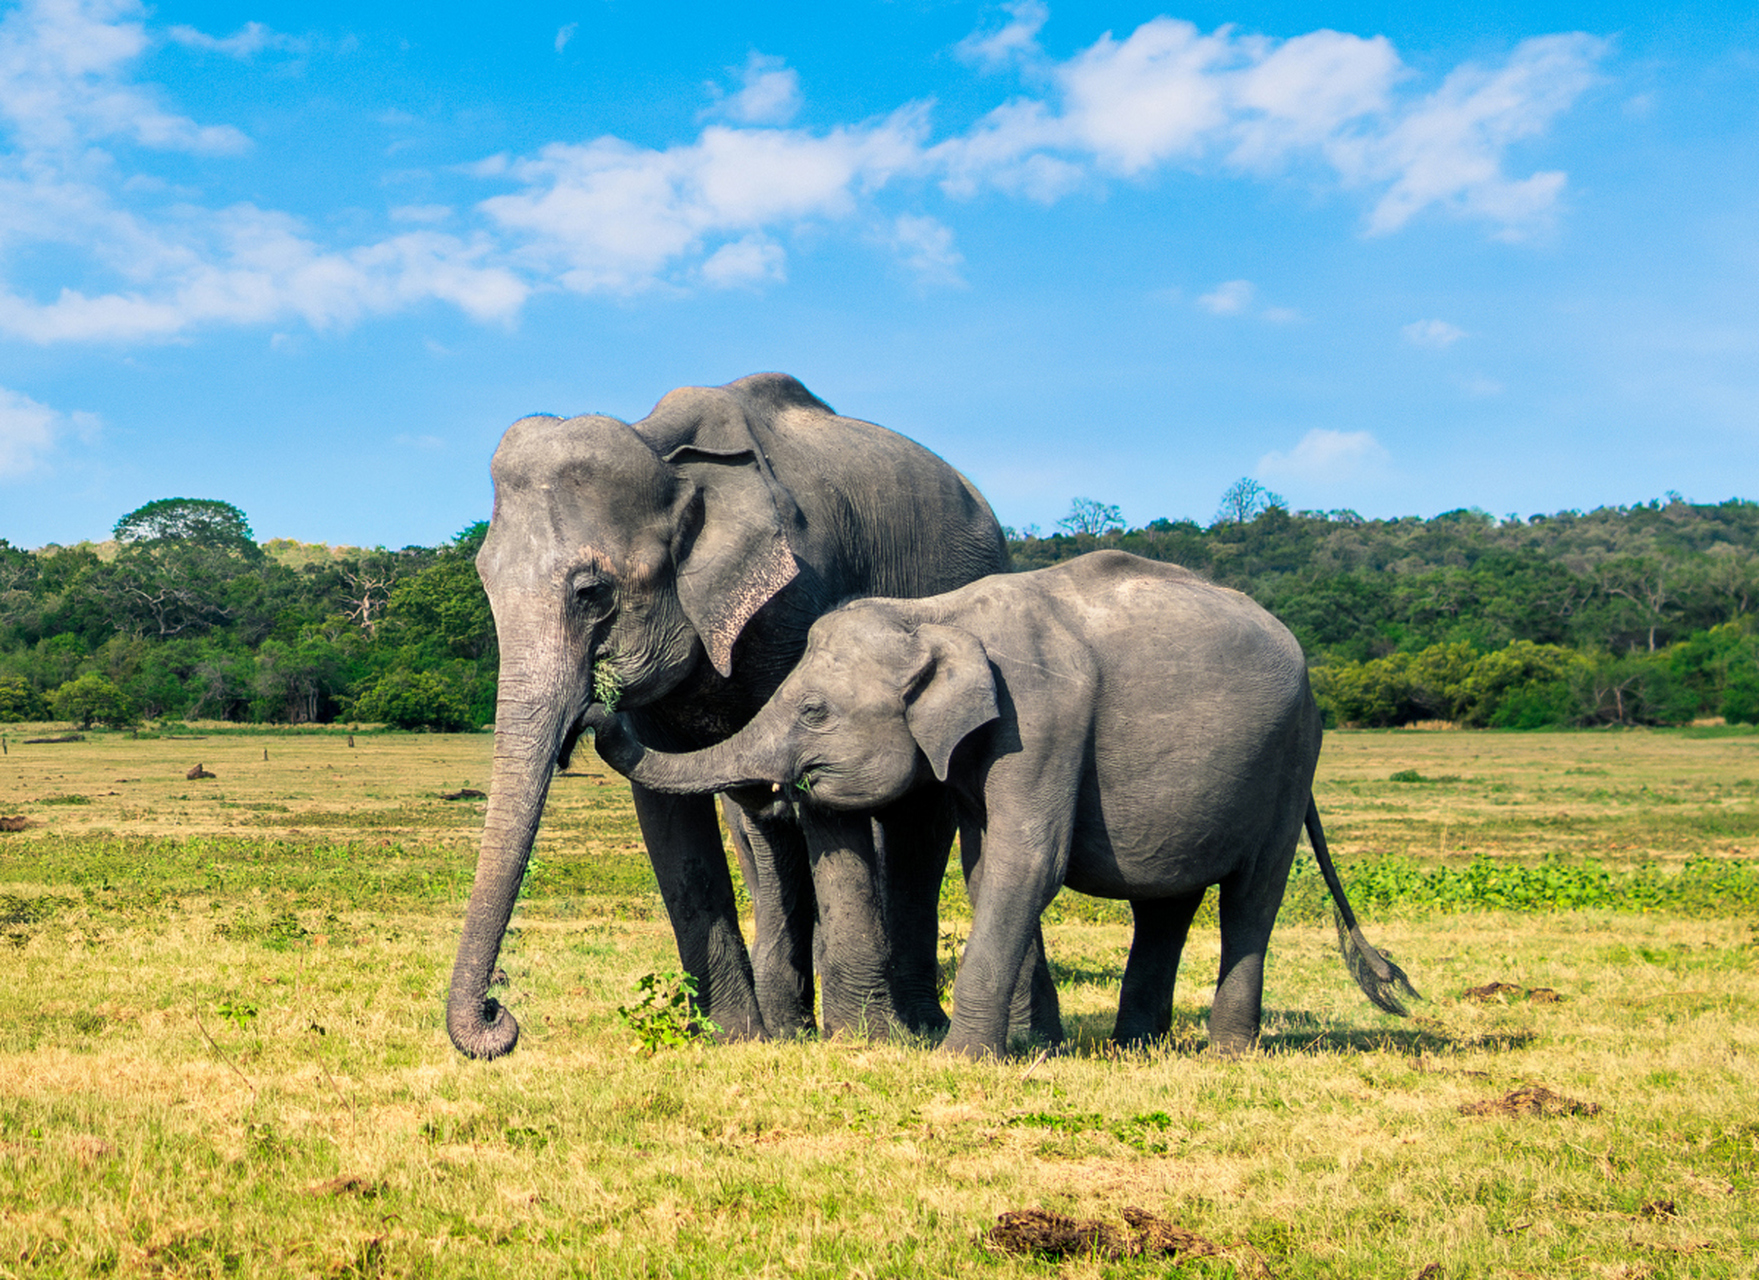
15 822
1055 1235
468 793
1512 991
1530 1100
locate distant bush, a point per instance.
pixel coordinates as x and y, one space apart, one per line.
91 699
415 700
1525 685
19 701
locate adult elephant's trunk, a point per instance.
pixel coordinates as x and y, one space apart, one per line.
751 757
528 730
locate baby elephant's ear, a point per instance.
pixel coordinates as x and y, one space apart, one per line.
954 694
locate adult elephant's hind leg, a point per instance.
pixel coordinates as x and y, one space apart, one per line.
1145 1005
1249 902
684 844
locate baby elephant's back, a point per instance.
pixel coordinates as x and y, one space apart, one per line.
1205 734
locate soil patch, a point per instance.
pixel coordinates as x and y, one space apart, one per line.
1530 1100
1512 991
1047 1234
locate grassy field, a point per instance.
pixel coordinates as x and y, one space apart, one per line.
222 1051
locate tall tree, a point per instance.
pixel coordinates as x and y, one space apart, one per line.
203 521
1244 499
1089 515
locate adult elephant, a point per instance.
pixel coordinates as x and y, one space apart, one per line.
672 568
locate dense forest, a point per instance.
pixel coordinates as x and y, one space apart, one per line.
1622 615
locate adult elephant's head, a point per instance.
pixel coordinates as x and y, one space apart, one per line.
619 562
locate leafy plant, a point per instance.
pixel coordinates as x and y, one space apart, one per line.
607 685
666 1016
240 1013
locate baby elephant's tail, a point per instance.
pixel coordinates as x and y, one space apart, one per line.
1378 977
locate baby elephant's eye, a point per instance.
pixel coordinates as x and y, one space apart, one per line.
814 714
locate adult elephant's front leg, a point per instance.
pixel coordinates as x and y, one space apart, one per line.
915 838
773 858
684 844
856 960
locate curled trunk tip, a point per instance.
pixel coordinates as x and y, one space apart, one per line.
482 1027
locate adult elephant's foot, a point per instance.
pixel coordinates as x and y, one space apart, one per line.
962 1045
923 1016
1231 1041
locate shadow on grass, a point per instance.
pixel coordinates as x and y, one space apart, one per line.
1296 1031
1102 975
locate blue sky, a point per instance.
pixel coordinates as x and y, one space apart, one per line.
313 259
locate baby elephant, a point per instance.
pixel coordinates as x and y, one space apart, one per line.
1112 724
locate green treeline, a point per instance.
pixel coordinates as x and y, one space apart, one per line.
184 617
1638 615
1625 615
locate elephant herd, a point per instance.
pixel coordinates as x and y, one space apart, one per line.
746 594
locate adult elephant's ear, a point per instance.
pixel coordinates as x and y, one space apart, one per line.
734 552
953 695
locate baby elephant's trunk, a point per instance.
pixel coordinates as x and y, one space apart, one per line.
1378 977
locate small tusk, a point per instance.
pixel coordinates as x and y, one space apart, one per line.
775 786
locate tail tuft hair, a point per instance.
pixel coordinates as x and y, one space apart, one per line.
1378 977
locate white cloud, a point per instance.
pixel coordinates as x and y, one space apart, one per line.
1015 41
1324 456
62 87
248 41
28 431
1228 299
1435 334
769 92
1239 297
1168 94
1448 150
752 260
564 34
614 217
925 246
65 97
255 267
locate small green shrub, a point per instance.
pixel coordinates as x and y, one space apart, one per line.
666 1015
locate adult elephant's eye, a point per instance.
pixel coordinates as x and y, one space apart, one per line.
814 713
593 595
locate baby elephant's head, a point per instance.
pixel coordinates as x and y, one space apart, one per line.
876 697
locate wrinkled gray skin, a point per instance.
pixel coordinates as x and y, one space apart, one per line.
685 557
1113 724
